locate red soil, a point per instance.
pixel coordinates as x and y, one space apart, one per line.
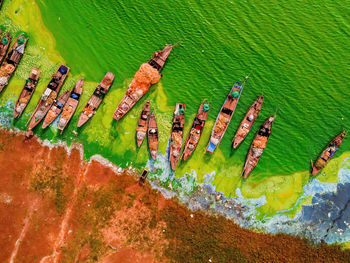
60 209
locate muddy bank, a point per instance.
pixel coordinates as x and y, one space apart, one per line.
56 208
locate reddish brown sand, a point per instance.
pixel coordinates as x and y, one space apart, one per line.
56 208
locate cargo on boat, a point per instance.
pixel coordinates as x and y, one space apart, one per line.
153 138
96 99
177 133
27 92
71 105
142 125
247 122
55 109
4 45
328 153
225 116
258 145
196 130
48 98
12 60
148 74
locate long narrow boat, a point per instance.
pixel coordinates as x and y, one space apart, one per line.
96 99
258 145
328 153
148 74
142 125
12 60
177 133
225 116
27 92
4 45
71 105
153 138
48 98
247 122
55 109
196 130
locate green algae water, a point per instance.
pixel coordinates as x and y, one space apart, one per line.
296 55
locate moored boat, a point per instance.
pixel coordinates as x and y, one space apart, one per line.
196 130
225 116
4 45
71 105
96 99
143 177
153 137
148 74
27 92
12 60
142 125
48 98
258 145
327 153
177 132
247 122
55 109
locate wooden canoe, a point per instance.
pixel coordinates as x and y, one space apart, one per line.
258 145
55 109
328 153
177 132
12 60
225 116
153 137
48 98
71 105
247 122
142 125
139 87
196 130
4 45
27 92
96 99
143 177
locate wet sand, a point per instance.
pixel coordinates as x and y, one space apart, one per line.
56 208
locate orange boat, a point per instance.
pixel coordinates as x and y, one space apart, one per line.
12 60
142 125
247 122
4 45
96 99
48 98
196 130
27 92
148 74
258 145
153 136
328 153
177 133
71 105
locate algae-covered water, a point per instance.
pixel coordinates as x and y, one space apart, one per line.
297 55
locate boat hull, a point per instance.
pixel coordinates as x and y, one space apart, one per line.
142 125
153 137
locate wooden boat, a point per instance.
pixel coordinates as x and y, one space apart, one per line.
142 125
71 105
148 74
4 46
48 98
27 92
12 60
196 130
55 109
247 122
143 177
177 132
153 138
96 99
258 145
327 154
225 116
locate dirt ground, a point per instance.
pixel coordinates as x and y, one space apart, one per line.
56 208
